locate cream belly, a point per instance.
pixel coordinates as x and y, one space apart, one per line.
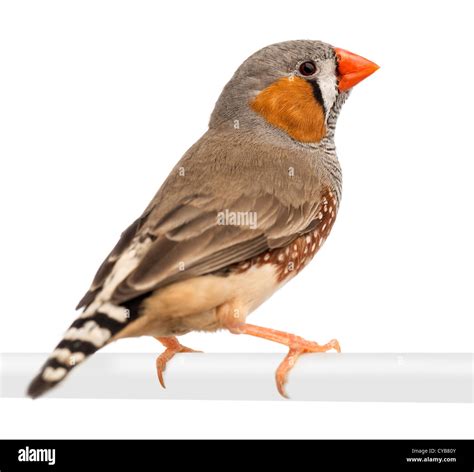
204 303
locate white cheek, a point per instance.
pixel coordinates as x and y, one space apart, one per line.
327 81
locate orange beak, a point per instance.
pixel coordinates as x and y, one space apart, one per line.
352 68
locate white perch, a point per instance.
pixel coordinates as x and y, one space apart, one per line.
315 377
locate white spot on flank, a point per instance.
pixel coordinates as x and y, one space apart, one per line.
266 257
281 257
54 375
308 239
324 227
90 332
320 215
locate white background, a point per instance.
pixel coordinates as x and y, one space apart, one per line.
99 99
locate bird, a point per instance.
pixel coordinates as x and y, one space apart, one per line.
244 210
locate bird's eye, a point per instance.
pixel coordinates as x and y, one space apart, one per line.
307 68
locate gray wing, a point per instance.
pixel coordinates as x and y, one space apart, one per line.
182 225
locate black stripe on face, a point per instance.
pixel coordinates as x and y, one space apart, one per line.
317 93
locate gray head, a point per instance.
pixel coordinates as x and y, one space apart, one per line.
297 87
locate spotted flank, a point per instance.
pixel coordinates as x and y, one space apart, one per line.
293 258
83 338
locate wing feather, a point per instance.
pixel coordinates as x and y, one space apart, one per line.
182 220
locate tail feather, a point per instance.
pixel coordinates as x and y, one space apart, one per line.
84 337
63 359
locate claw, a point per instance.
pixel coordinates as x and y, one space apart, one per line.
281 374
334 343
298 347
172 347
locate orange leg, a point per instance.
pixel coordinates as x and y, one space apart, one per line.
297 346
173 347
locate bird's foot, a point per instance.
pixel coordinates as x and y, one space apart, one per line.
173 346
297 346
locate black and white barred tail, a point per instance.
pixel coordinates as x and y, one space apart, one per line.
88 334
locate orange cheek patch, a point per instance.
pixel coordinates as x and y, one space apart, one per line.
289 104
